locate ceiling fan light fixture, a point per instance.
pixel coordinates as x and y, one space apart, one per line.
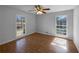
39 12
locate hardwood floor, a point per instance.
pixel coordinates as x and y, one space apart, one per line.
39 43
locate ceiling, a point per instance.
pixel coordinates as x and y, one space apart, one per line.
54 8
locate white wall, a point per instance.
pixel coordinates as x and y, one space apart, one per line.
1 27
8 23
76 27
46 23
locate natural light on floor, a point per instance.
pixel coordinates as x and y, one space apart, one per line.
19 32
60 43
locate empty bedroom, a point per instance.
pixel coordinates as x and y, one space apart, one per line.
39 29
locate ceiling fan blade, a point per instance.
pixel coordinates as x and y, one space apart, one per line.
38 7
46 9
35 6
44 12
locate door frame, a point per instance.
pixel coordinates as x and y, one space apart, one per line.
25 26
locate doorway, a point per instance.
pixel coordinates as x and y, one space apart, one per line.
20 26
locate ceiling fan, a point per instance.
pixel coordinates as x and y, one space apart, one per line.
38 9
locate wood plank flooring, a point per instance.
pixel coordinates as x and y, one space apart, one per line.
39 43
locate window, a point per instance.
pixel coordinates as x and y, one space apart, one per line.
61 25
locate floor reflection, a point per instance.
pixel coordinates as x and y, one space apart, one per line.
21 45
62 43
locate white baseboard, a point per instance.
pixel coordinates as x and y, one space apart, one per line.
46 33
76 46
14 39
54 35
6 41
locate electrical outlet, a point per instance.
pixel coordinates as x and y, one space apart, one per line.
46 32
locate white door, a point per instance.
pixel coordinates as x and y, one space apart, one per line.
61 26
